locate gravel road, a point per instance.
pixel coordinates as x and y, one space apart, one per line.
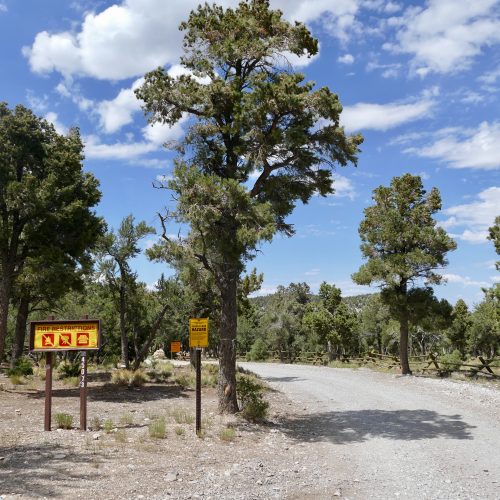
378 435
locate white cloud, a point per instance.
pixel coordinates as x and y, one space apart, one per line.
475 218
312 272
463 280
446 35
471 148
116 113
346 59
3 7
364 116
54 119
154 138
37 104
135 36
343 187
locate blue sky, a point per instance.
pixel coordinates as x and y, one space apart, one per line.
419 79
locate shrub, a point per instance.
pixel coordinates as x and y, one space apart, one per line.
179 431
185 380
158 428
451 362
64 420
253 406
129 378
21 368
258 352
73 381
161 372
127 419
17 380
66 369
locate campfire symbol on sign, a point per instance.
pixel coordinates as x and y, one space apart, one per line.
48 340
65 339
82 338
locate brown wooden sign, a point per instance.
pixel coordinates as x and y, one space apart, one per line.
65 335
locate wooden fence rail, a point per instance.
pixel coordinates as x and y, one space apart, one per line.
434 363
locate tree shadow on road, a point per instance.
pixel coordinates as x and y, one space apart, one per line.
343 427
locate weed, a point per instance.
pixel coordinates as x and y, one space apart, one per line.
228 434
64 420
127 419
185 380
180 431
181 416
17 380
95 424
108 425
158 428
120 436
72 381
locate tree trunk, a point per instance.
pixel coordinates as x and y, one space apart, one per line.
123 331
403 343
20 335
4 312
227 362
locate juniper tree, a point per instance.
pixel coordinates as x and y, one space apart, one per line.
403 247
260 140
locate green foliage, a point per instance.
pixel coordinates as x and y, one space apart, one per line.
47 198
67 369
64 420
158 428
259 351
253 406
451 362
484 335
108 425
251 115
494 236
459 330
403 246
22 367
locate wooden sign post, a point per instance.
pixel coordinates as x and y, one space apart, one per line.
53 335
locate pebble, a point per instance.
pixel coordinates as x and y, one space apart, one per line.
60 456
170 477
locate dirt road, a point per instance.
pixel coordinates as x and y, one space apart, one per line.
378 435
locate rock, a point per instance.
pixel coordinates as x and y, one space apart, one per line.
337 494
96 436
259 482
59 456
159 354
170 477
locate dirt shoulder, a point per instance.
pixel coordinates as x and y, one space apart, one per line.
260 462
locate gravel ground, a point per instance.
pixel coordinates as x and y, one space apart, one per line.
331 433
388 436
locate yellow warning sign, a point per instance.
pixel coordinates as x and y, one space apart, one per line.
64 335
198 332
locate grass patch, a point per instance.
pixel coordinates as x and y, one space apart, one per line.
108 425
67 369
127 419
129 378
64 420
72 381
161 372
95 424
181 416
120 436
17 380
228 434
185 379
22 367
158 428
180 431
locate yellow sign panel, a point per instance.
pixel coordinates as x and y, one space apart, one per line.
198 332
175 346
64 335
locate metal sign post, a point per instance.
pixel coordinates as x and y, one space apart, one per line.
198 338
198 391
